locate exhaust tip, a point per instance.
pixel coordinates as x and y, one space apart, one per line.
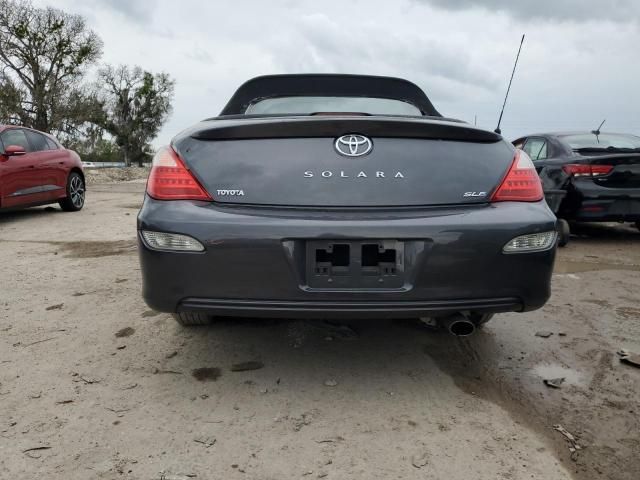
458 325
462 328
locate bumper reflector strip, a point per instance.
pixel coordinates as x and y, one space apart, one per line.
533 242
171 241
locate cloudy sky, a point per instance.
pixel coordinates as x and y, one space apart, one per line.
580 62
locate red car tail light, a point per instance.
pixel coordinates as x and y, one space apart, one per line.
586 170
171 180
521 183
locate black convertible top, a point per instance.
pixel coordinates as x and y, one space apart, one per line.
320 85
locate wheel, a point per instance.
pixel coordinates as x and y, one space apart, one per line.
74 200
563 232
189 319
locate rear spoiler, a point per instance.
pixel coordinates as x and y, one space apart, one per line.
301 127
328 85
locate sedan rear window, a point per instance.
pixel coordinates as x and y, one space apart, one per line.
309 105
604 141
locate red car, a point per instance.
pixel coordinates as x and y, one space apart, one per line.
36 170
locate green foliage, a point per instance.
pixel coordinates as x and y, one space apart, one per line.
97 149
136 103
44 53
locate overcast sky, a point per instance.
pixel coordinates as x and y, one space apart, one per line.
580 62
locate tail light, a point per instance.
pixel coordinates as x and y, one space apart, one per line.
585 170
170 179
521 183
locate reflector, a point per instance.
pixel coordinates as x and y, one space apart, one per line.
533 242
171 241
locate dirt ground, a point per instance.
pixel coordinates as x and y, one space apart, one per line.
93 384
114 175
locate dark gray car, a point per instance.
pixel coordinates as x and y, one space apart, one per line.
587 176
343 196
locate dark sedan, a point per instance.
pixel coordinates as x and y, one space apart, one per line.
343 196
588 176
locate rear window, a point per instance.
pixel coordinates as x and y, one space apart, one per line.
604 140
308 105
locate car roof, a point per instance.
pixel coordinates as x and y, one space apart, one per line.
48 135
4 127
323 84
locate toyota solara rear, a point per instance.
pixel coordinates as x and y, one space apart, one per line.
342 196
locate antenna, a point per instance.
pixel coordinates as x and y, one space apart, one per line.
596 132
497 130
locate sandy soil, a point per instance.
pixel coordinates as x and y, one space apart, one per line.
115 175
95 385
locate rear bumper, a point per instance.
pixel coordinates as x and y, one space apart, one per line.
609 210
594 203
254 262
367 309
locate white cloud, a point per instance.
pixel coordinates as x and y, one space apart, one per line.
136 10
571 74
557 10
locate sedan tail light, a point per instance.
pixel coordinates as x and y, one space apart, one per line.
586 170
521 183
170 179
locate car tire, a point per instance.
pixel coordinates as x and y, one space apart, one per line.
564 232
190 319
74 200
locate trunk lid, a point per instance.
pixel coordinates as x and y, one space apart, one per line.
294 162
625 172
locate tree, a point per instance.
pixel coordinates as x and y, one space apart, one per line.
94 147
137 103
44 53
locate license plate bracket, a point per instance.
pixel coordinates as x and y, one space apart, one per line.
355 264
